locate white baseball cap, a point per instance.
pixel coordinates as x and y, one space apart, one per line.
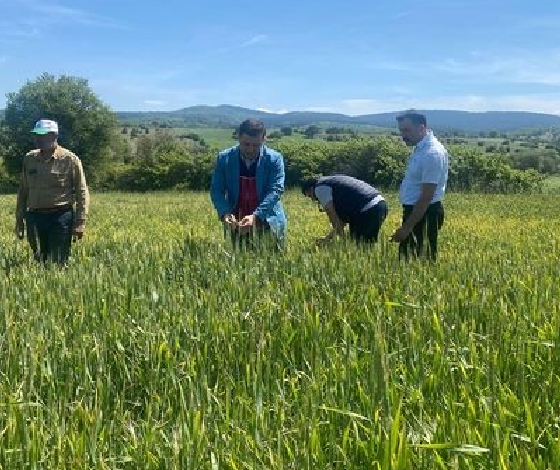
45 126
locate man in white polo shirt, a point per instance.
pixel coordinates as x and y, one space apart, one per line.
422 188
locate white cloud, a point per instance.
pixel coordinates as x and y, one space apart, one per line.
61 13
320 109
35 17
543 103
514 66
531 68
230 45
393 66
17 30
403 14
142 92
254 40
279 111
154 102
401 90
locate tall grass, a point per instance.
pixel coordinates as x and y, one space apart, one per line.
161 348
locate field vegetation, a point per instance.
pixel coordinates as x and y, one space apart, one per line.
160 347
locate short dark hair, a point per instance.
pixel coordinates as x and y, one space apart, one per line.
308 184
252 128
413 116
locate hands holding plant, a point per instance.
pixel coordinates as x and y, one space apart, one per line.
243 226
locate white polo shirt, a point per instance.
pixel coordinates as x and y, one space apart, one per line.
428 164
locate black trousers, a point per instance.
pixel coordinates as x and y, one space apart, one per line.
429 225
50 234
365 228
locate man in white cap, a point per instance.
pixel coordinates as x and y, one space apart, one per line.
52 183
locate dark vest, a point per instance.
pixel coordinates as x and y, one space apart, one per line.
350 195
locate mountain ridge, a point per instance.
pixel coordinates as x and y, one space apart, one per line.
230 116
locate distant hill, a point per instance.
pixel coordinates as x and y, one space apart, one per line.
472 122
230 116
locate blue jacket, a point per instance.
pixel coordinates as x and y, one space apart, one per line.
224 190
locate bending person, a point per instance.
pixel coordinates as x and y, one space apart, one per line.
348 200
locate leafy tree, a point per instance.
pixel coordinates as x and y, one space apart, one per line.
543 161
8 183
334 130
287 131
120 150
193 136
312 131
144 149
86 125
275 135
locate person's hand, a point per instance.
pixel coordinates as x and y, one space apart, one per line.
78 231
20 229
400 235
230 221
247 223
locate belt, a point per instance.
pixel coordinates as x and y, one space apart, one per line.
50 210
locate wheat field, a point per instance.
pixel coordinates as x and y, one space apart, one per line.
161 347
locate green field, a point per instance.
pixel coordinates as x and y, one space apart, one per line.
214 137
552 184
222 137
161 348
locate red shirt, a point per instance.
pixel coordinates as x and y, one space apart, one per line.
248 198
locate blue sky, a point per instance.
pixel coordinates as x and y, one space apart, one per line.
354 57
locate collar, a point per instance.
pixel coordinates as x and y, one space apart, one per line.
261 153
429 135
58 151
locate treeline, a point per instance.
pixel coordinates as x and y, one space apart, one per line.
163 161
166 163
379 160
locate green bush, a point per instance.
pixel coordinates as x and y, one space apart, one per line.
378 160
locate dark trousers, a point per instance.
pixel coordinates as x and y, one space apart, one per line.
50 234
429 225
365 228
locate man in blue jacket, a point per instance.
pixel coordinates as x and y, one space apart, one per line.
247 184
